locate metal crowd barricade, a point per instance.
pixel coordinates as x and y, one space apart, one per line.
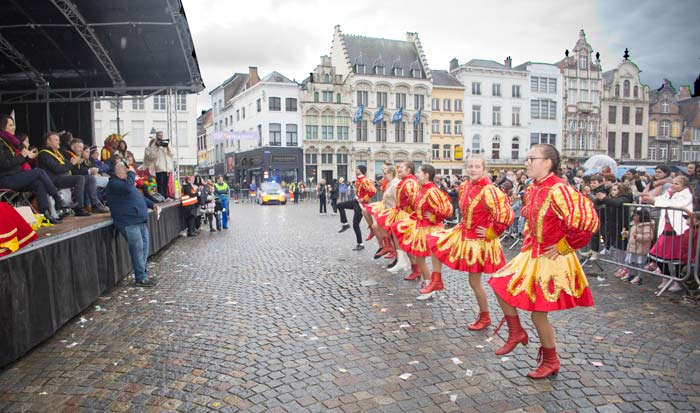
669 235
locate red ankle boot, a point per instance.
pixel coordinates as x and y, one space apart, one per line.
415 273
435 284
549 363
371 234
389 251
482 322
516 334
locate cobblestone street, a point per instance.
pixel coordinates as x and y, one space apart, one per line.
278 314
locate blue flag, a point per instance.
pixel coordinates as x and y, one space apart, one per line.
358 114
398 116
416 121
378 116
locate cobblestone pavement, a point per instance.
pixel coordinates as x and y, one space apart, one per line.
278 314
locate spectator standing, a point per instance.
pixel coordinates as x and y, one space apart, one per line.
334 196
208 193
222 192
321 190
158 157
130 215
191 211
694 183
640 236
616 214
343 190
297 192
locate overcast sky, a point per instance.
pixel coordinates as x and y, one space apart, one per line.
289 36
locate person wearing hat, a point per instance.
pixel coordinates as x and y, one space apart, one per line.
364 190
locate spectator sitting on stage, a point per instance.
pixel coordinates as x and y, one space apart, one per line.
96 162
130 215
110 147
58 168
123 149
83 169
36 180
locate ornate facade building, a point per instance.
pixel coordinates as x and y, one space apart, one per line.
625 112
665 124
582 102
447 124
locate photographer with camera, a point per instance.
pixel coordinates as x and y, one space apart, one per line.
158 157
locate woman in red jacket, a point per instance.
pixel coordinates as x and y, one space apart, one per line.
546 275
473 245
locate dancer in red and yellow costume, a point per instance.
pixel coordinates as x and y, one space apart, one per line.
15 232
370 212
406 192
473 245
430 209
546 275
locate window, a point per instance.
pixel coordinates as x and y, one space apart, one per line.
674 154
496 147
311 127
400 100
326 158
637 146
617 90
136 136
436 152
665 107
458 105
625 115
446 105
552 85
458 153
515 90
159 103
98 105
636 93
435 126
382 99
435 104
611 144
290 104
447 127
327 127
362 98
676 129
362 131
242 113
583 62
381 131
516 116
496 116
311 158
496 89
652 153
418 102
360 68
626 88
343 127
275 134
665 128
238 115
138 104
401 131
327 96
534 84
447 152
418 132
316 97
695 134
291 130
476 115
337 98
612 115
476 144
625 147
416 73
663 153
476 88
552 109
652 128
181 102
342 158
275 104
326 78
535 109
458 127
515 148
398 71
543 85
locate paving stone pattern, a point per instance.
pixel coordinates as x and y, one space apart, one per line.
273 316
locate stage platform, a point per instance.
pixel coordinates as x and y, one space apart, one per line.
65 270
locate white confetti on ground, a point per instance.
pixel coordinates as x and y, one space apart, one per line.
405 376
456 360
413 362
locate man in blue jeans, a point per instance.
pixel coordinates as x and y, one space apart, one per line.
129 211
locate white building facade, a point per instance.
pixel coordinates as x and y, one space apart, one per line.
138 117
497 110
390 85
545 93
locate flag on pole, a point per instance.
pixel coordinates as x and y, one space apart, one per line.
416 121
398 116
379 115
358 114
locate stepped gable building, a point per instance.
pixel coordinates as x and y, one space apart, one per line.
665 124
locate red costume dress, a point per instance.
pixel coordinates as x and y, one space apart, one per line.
364 190
412 232
558 215
15 232
406 192
459 247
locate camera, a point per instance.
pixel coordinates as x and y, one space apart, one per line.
163 142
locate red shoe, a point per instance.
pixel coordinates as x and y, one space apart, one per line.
435 284
549 366
370 236
388 249
482 322
516 334
415 273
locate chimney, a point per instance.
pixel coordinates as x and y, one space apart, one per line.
454 64
684 93
508 62
253 77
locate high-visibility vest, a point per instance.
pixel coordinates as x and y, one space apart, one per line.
188 200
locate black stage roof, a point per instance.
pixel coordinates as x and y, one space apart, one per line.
68 50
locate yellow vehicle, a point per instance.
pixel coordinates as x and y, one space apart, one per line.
271 193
